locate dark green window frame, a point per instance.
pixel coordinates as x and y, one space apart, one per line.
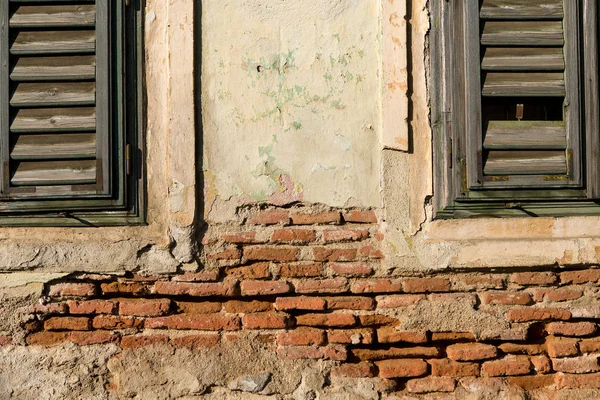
113 193
458 83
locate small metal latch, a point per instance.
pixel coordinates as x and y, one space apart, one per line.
520 111
128 159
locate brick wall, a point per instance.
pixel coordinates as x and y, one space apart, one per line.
308 282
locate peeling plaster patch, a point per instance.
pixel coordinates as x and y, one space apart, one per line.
320 167
150 17
343 142
15 279
184 243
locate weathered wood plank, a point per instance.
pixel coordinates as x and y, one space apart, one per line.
517 33
44 147
54 94
54 119
525 135
523 59
519 9
46 16
54 68
53 42
516 84
501 163
71 172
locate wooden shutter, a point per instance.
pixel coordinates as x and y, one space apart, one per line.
55 87
523 94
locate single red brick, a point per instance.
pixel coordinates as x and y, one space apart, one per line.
509 366
265 321
563 294
206 275
94 277
91 307
202 307
350 303
72 290
360 217
50 308
270 217
530 383
530 349
571 328
360 370
331 217
144 307
337 320
242 307
351 269
322 286
133 288
376 286
541 364
538 314
506 298
561 347
590 345
398 300
351 336
579 277
229 254
299 270
370 252
391 335
254 271
333 254
451 336
305 352
394 352
376 320
533 278
480 282
47 338
67 324
302 337
208 322
426 285
264 288
227 288
197 341
300 303
114 322
297 236
137 341
577 365
345 235
240 238
471 351
568 381
93 337
402 368
446 367
270 253
431 384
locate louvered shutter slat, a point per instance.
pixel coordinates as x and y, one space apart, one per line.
54 94
500 163
47 16
530 135
523 59
519 33
54 119
524 84
72 172
519 9
54 68
65 146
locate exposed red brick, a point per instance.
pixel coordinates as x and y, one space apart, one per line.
338 320
322 286
350 303
395 352
299 270
72 290
351 336
541 364
471 351
351 269
254 271
386 386
480 282
47 338
568 381
208 322
229 254
519 348
114 322
579 277
360 217
577 365
530 383
270 254
264 288
533 278
453 298
133 288
144 307
270 217
509 366
398 300
360 370
95 277
297 236
33 326
370 252
538 314
331 217
345 235
376 320
376 286
561 347
452 336
50 308
205 275
590 345
137 341
302 337
391 335
506 298
333 254
5 340
563 294
240 238
446 367
197 341
265 321
91 307
202 307
431 384
300 303
402 368
305 352
67 324
93 337
426 285
571 328
199 289
239 307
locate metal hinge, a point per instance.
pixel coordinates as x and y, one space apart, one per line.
128 159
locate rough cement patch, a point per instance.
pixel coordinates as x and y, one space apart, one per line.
157 260
251 383
350 389
15 279
14 304
184 243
